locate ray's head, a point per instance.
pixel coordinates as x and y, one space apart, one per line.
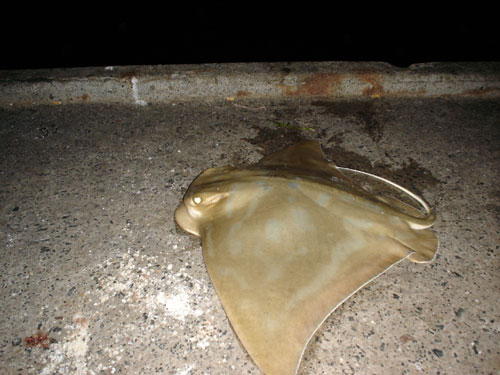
205 199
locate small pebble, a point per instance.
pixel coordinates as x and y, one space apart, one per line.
437 352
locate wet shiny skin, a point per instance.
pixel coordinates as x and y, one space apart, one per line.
288 240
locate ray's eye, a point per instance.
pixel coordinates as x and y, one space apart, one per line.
196 200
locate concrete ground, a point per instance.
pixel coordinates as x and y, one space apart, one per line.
98 279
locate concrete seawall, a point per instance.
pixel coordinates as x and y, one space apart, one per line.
164 84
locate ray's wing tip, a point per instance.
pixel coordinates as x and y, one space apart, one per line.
427 252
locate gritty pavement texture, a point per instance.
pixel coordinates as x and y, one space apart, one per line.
98 279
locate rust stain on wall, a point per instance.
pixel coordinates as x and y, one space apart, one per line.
320 84
376 89
128 74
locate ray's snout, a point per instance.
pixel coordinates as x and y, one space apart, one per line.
185 221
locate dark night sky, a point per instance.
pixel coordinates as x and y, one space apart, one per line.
220 32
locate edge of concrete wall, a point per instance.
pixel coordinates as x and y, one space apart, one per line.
142 85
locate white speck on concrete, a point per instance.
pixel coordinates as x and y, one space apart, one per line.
186 371
72 352
203 344
135 93
176 304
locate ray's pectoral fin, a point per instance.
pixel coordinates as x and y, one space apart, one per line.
305 156
423 242
277 285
